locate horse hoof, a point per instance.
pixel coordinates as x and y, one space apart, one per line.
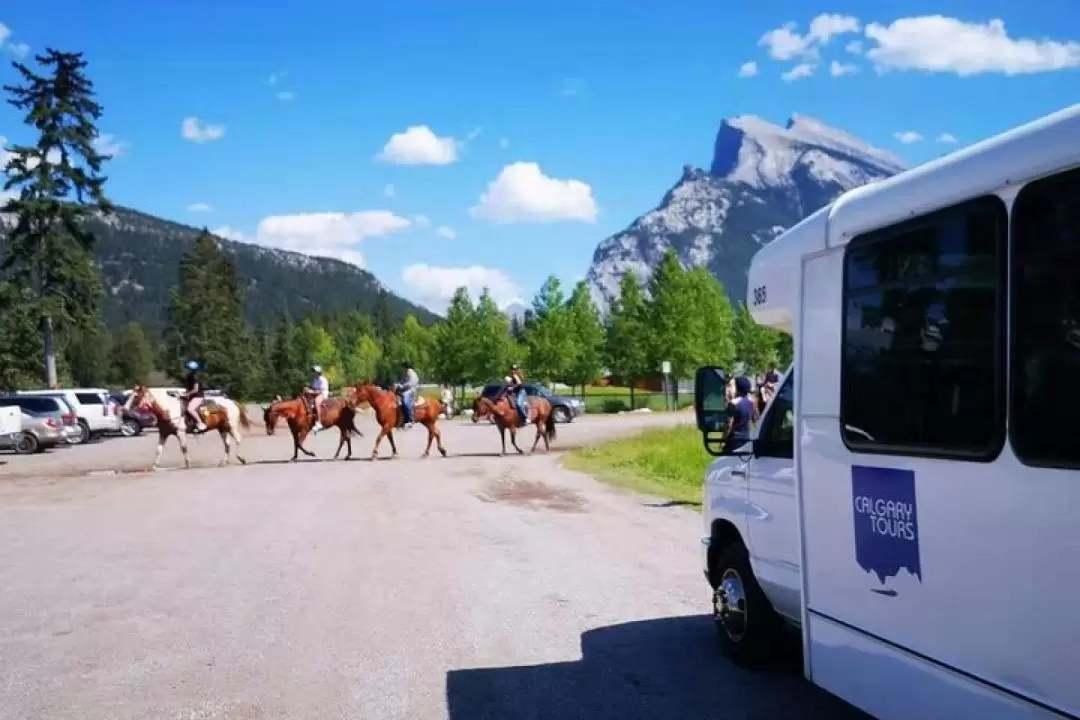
443 452
242 460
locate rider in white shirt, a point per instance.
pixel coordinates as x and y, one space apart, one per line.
408 386
319 390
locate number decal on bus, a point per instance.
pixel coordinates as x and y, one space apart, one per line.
760 296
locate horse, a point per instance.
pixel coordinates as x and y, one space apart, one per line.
506 415
334 412
218 413
389 415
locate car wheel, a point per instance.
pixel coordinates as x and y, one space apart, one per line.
748 629
561 414
130 428
84 433
27 444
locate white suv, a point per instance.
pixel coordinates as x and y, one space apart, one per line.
95 414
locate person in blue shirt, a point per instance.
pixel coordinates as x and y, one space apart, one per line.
741 415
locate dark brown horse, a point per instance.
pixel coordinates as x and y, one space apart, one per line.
507 418
388 415
219 414
334 412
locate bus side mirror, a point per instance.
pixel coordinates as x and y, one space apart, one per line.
710 407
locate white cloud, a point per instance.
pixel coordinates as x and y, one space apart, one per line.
908 136
801 70
328 234
110 145
389 191
522 193
197 131
434 286
474 133
19 50
53 156
785 42
286 95
5 33
946 138
934 43
504 143
838 69
855 47
421 221
446 232
748 69
418 145
200 207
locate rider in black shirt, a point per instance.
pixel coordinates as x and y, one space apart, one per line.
193 393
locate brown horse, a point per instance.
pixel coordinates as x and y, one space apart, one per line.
219 414
507 418
334 412
388 415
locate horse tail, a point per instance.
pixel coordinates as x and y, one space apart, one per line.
244 422
549 424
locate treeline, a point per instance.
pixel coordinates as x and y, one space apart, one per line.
51 329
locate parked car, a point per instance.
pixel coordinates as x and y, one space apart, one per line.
47 406
92 410
563 409
39 433
135 420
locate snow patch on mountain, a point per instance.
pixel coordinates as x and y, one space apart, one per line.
764 178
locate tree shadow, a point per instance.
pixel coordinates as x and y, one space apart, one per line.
672 503
652 669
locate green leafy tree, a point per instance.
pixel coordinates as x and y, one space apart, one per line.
627 346
20 340
316 346
415 343
206 320
671 318
492 349
360 359
548 340
57 184
587 333
87 353
286 366
451 361
132 355
755 345
785 350
709 323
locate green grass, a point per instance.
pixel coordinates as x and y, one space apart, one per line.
668 463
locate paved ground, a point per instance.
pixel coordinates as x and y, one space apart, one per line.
473 586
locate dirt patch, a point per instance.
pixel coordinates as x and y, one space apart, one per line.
533 494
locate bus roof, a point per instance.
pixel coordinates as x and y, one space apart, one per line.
1014 158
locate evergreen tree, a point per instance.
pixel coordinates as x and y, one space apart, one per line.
360 352
587 333
517 328
59 184
451 362
492 346
87 353
548 339
627 328
132 356
709 322
206 320
285 363
20 342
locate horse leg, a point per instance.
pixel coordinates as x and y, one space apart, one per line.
295 443
160 446
378 441
341 443
536 440
236 438
181 437
513 438
346 432
393 445
502 436
434 430
225 442
301 435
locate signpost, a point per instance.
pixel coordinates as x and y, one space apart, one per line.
665 369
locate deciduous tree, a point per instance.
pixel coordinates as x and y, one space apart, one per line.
628 343
548 342
132 355
587 334
451 362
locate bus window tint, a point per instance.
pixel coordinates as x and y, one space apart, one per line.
1046 322
922 369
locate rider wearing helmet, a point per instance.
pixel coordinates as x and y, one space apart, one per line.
410 383
193 393
316 393
516 386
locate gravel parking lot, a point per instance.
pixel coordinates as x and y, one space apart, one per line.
470 587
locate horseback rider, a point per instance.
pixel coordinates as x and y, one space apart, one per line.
315 393
192 397
516 386
407 388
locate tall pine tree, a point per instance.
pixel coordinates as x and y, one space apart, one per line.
59 184
628 335
451 359
587 332
547 334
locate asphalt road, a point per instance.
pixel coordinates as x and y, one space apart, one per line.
470 587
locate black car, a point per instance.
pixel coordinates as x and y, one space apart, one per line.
563 409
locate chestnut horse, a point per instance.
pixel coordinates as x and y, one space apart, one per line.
335 412
218 413
507 418
388 414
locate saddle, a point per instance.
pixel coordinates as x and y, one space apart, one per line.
420 402
207 410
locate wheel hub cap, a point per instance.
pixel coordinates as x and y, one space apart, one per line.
729 605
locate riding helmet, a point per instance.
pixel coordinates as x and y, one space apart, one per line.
316 368
191 365
406 363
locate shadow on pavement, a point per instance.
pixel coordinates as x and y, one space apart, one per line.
672 503
655 669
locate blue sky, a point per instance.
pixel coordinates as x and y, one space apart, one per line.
295 101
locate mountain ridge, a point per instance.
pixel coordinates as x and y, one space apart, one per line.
763 179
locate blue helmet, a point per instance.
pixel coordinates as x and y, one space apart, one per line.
191 365
316 369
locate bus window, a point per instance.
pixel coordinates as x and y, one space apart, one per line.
1046 322
923 337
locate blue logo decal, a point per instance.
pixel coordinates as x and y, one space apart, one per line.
886 521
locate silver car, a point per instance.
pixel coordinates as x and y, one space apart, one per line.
39 433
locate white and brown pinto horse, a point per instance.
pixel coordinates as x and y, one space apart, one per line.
218 413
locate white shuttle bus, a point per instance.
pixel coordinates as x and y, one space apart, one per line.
911 500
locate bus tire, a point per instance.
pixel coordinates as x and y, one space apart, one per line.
748 630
